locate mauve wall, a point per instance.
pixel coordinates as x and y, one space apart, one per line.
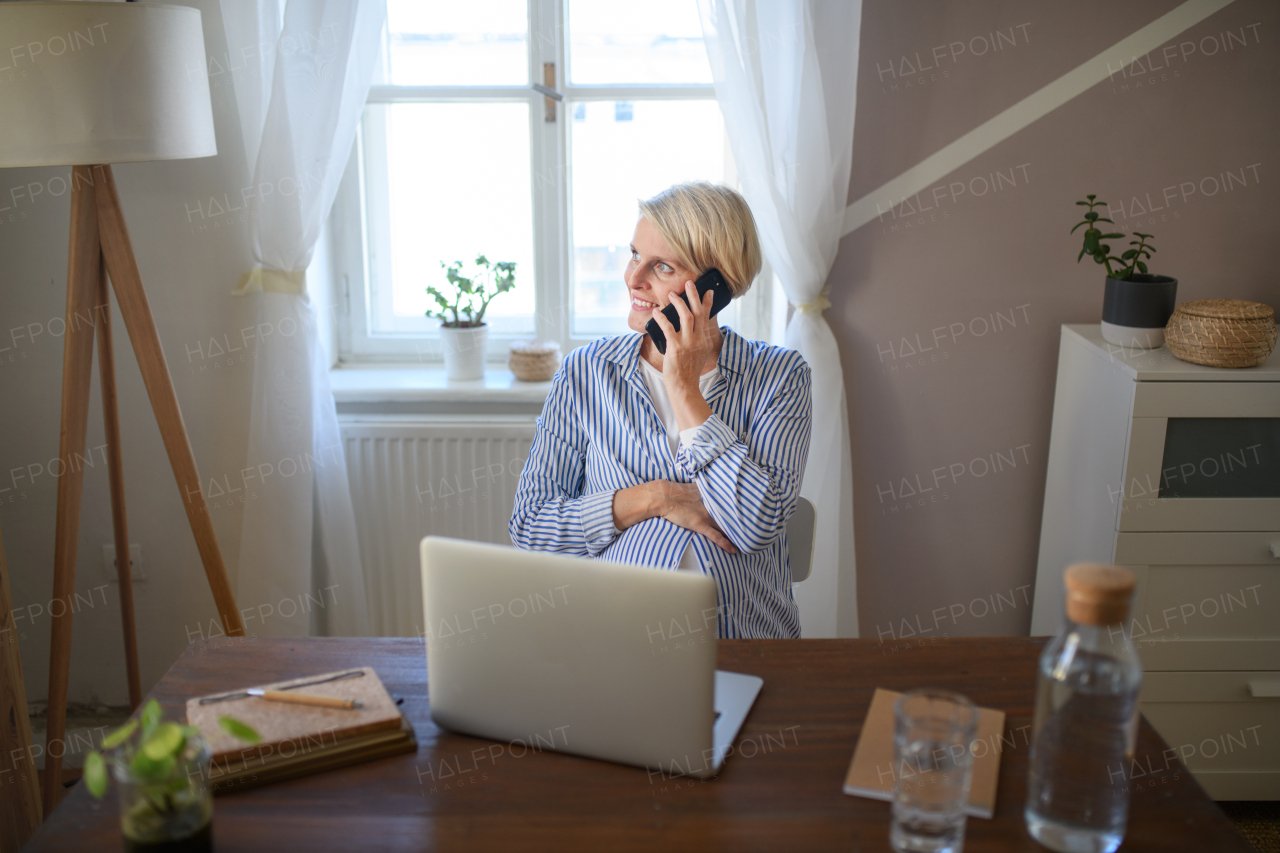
948 317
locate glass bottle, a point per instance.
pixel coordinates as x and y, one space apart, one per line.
1086 718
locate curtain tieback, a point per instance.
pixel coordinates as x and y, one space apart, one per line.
817 306
262 280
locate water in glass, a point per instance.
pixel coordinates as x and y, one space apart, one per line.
933 768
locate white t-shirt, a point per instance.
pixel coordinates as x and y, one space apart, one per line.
676 437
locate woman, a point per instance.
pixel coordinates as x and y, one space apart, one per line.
690 460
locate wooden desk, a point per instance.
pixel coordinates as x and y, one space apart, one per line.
779 792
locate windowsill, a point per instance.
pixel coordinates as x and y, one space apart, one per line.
411 389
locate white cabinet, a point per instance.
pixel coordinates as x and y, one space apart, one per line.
1173 469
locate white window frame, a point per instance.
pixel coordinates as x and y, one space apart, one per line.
360 262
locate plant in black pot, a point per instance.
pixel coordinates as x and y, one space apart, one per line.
1137 305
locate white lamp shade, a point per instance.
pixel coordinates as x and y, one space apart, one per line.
83 83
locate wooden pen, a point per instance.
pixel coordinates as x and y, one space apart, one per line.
304 698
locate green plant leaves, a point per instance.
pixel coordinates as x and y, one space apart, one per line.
95 774
1101 252
239 730
472 294
150 716
151 770
167 739
117 737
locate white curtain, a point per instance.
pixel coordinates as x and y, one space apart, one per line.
302 70
785 74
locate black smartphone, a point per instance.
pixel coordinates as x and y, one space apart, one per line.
709 280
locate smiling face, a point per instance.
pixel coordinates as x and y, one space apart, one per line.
652 274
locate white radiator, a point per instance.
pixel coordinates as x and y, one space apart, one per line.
420 475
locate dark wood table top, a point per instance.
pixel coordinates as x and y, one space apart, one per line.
781 790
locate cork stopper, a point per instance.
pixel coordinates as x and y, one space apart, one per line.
1098 594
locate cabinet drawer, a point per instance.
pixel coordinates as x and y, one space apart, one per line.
1206 400
1205 549
1226 736
1205 601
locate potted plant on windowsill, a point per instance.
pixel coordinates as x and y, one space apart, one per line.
161 770
463 332
1137 305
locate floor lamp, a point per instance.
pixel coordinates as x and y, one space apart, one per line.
100 83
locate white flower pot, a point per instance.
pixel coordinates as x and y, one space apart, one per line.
464 351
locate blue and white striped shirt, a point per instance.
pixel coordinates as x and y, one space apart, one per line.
599 432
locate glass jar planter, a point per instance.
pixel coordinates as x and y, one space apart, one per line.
166 805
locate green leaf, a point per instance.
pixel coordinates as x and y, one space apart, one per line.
1129 254
1078 224
95 774
239 730
117 737
1111 237
1091 216
150 770
1142 267
1079 256
1091 197
167 739
151 713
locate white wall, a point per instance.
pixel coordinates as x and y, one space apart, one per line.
190 260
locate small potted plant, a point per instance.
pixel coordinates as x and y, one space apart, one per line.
161 770
1137 305
463 331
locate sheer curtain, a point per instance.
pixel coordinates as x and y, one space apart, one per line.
786 78
302 70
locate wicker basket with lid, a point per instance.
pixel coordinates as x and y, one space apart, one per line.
534 361
1222 332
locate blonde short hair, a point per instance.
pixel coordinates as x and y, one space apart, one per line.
708 226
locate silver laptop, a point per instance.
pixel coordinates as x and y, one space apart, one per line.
598 659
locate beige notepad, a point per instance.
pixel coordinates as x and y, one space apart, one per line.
301 739
873 771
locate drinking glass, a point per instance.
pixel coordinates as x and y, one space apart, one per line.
933 767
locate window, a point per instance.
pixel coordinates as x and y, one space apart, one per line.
459 155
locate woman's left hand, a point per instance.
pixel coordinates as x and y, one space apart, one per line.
689 352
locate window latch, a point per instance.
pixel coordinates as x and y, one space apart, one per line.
547 88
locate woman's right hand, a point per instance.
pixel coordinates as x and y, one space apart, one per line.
679 503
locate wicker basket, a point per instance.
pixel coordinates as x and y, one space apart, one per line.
534 361
1222 332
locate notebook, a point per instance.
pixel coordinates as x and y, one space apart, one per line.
872 771
298 740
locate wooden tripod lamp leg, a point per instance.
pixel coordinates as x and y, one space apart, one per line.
77 369
115 473
127 283
20 797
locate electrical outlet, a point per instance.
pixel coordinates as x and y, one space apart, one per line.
135 563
